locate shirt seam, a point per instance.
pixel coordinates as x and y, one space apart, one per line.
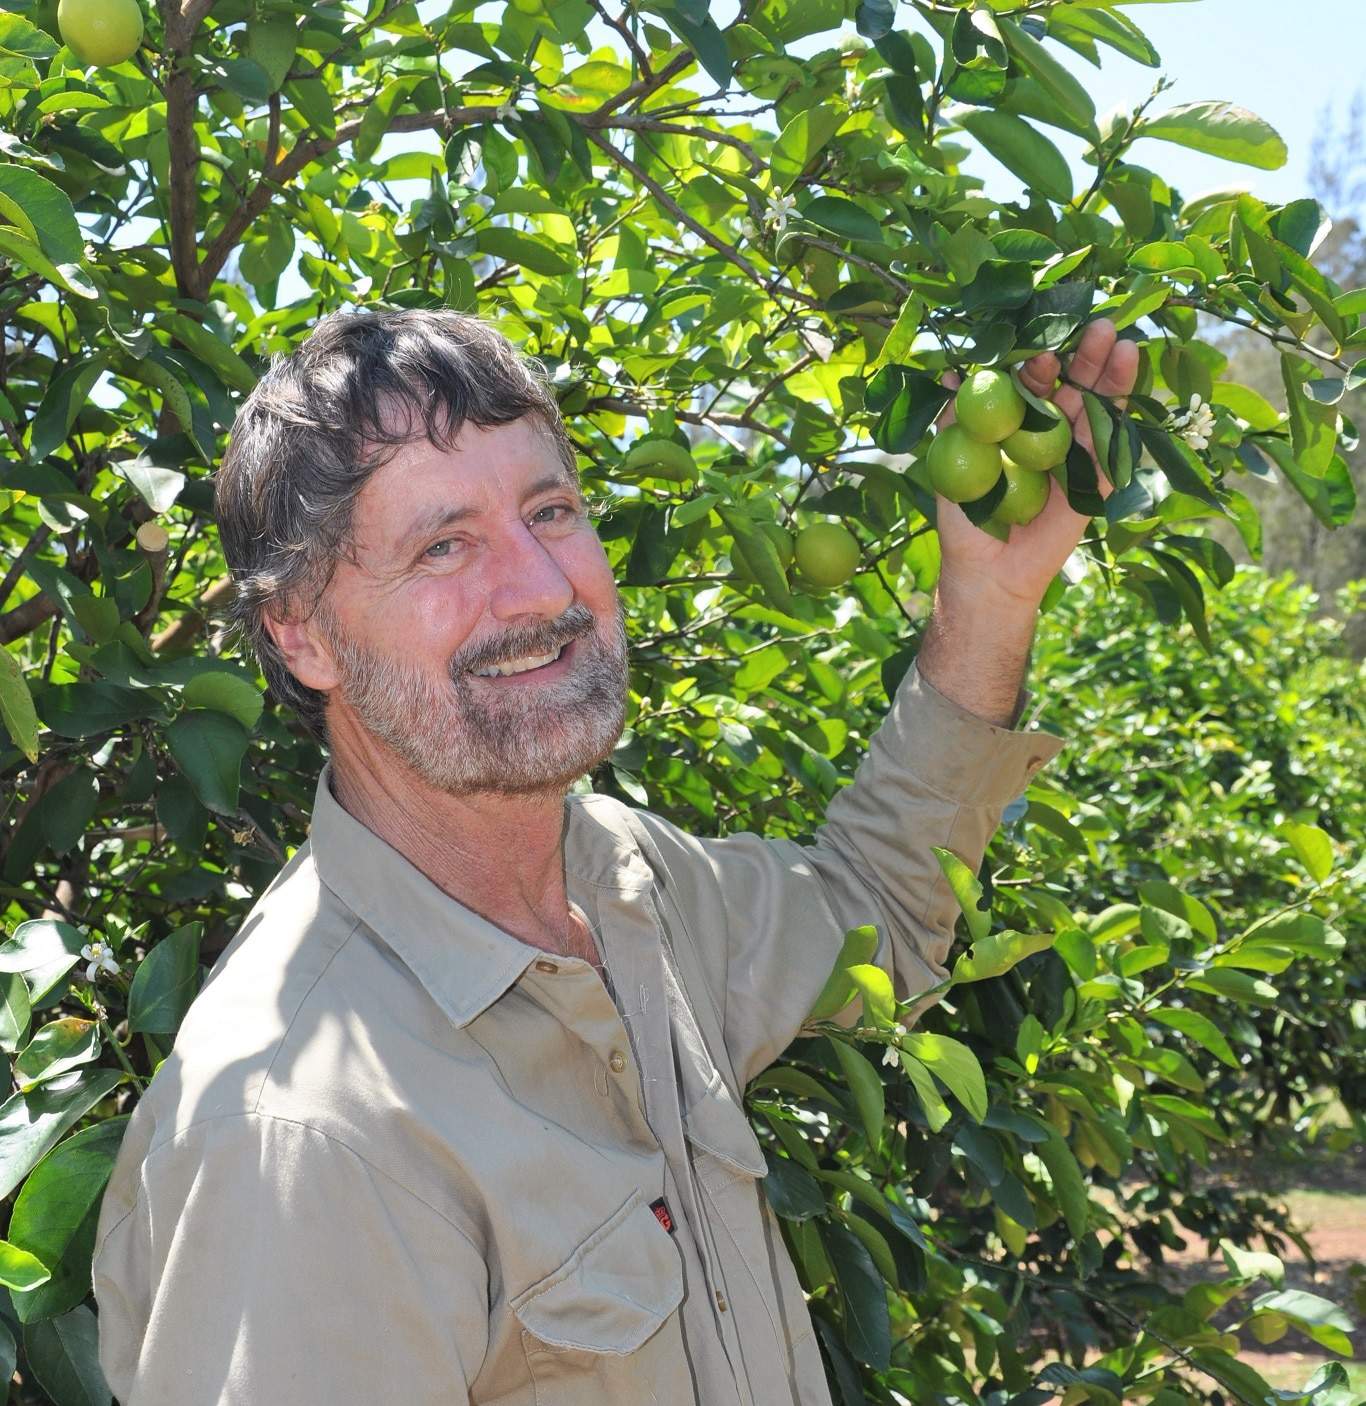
303 1001
293 1123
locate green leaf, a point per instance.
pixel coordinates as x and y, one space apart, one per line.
708 43
896 346
1332 497
1219 129
41 212
166 983
15 1011
522 249
271 41
1313 427
158 487
32 1123
1069 1188
56 1212
863 1293
85 709
1054 77
866 1087
936 1111
954 1065
1199 1028
66 395
38 943
18 36
68 808
59 1046
226 693
211 350
16 706
997 952
858 948
21 1270
800 141
1312 848
1024 152
760 557
1320 1318
64 1355
208 747
69 276
842 217
875 986
793 1193
967 890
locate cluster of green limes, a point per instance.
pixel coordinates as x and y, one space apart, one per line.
988 439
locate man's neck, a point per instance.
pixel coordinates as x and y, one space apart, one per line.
500 856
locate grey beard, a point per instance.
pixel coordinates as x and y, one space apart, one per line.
472 737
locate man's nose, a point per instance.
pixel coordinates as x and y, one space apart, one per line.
530 581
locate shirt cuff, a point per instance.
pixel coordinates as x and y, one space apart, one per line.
963 757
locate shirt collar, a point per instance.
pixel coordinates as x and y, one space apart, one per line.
465 961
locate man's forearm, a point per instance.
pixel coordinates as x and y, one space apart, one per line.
976 649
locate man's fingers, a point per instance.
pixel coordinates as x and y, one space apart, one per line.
1121 370
950 380
1092 356
1040 373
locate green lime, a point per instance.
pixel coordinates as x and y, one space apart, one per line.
988 406
1040 449
100 32
1026 493
827 553
962 468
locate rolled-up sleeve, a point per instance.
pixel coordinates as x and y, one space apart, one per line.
770 914
264 1261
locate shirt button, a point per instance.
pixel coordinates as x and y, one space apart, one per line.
616 1062
721 1301
548 967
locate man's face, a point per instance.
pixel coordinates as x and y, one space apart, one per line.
464 560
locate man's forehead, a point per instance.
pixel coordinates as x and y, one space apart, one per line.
481 470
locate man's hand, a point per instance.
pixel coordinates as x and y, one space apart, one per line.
986 604
1020 570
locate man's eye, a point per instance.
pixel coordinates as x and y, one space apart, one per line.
435 548
555 507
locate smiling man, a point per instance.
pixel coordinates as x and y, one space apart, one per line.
457 1115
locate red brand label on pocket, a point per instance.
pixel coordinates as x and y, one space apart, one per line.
662 1214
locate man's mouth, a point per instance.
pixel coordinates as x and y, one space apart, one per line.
526 664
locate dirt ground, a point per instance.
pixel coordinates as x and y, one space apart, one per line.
1326 1199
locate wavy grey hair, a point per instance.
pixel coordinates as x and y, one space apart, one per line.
320 422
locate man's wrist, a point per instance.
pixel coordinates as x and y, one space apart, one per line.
976 648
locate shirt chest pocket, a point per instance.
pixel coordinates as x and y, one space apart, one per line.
605 1323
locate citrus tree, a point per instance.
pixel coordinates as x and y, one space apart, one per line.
749 252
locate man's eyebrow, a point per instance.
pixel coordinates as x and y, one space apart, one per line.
439 517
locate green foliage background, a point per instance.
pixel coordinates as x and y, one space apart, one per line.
753 235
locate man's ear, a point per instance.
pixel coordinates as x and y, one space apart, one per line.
305 650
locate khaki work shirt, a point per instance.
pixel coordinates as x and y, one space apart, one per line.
398 1155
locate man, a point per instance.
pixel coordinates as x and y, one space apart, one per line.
457 1116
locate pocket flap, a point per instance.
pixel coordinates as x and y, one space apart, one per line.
717 1124
613 1292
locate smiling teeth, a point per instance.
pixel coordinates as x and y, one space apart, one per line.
519 666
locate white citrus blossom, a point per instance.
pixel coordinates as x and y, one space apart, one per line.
750 230
100 958
1196 426
889 1055
779 208
505 110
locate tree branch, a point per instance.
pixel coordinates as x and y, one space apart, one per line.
682 216
26 618
299 156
